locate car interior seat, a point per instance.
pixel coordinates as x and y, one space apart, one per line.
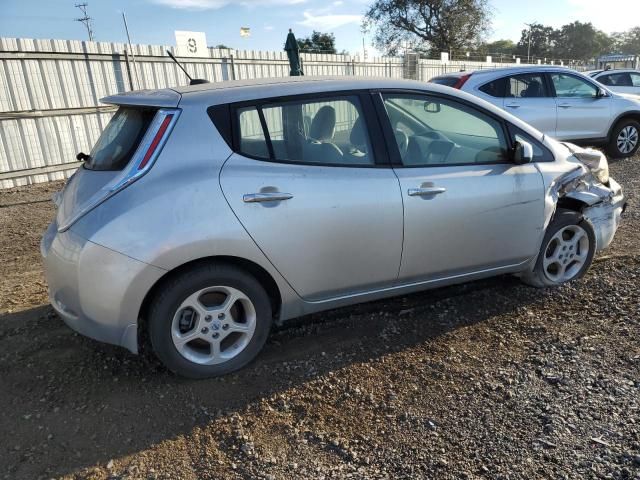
319 147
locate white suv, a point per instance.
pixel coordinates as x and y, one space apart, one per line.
559 102
620 81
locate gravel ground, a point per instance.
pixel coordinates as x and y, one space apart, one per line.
490 379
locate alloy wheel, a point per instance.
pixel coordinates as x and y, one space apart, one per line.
627 139
213 325
566 253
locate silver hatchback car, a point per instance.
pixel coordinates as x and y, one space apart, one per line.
205 213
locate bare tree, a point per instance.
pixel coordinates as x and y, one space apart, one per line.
435 25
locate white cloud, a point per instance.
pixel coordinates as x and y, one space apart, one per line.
215 4
268 28
337 3
328 22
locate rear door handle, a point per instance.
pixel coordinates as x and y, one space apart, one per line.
266 197
564 105
425 191
513 105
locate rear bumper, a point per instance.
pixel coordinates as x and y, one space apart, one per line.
606 216
96 291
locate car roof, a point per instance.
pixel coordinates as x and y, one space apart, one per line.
241 90
615 70
509 70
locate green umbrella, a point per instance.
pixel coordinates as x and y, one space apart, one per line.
293 52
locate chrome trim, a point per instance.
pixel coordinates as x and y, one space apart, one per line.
418 192
266 197
131 173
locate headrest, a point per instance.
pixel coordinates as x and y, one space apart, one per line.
323 124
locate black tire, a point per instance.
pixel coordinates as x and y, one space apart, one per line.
563 218
172 293
612 147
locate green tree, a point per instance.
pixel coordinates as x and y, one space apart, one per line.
504 47
434 25
626 42
318 42
536 41
580 41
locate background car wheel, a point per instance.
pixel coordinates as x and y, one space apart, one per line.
566 253
625 139
209 321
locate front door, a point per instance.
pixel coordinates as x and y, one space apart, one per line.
467 207
306 186
581 113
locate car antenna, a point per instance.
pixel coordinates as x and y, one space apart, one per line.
192 81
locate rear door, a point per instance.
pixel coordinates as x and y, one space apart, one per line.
468 209
527 97
311 185
582 114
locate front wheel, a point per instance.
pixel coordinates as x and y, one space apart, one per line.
625 139
209 321
566 253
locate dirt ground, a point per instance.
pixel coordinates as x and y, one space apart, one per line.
490 379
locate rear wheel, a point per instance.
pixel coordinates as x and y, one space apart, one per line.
209 321
625 139
566 253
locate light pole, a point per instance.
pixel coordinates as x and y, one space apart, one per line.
529 46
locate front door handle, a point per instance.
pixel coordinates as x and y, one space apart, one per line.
266 197
513 105
564 105
426 191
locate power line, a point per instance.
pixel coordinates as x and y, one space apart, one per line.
85 19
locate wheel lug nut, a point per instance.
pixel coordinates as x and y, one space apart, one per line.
221 316
215 335
225 326
207 318
204 330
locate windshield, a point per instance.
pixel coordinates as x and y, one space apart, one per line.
120 139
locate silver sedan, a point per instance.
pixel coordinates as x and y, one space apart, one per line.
204 214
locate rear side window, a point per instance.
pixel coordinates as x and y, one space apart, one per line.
494 88
120 139
325 131
529 85
616 80
447 81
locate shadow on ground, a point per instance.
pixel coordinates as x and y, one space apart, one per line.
68 402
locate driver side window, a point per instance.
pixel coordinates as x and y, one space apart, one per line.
570 86
431 131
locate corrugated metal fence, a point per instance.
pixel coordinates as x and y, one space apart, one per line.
50 91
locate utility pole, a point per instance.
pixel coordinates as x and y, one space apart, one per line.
85 19
529 47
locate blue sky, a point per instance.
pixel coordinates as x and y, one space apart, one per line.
153 21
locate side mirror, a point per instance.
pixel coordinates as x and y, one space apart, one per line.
522 153
601 93
432 107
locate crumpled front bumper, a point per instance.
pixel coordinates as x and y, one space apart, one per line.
96 291
605 216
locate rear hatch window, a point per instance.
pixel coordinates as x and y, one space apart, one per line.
120 139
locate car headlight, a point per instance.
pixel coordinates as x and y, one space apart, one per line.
597 163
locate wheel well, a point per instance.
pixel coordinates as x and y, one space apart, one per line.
265 279
627 116
568 203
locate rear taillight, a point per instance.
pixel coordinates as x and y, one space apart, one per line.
156 140
461 81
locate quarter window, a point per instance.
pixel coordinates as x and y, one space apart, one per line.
431 131
569 86
494 88
329 131
526 86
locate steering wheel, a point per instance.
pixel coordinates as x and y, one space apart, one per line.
402 139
